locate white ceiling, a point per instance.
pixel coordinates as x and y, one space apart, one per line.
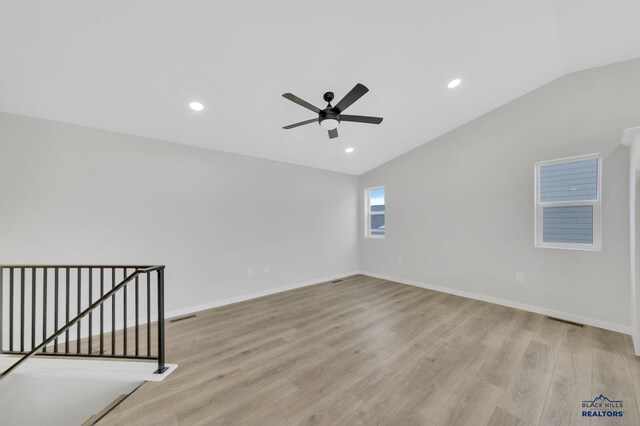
133 66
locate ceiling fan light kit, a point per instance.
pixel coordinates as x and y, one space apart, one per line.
329 123
330 117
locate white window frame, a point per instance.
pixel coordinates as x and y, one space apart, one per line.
596 205
368 213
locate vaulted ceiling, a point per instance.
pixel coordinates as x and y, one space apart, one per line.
133 66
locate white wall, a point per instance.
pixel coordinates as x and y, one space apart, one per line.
632 139
70 194
460 209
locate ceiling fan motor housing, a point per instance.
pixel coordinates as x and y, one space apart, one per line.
327 114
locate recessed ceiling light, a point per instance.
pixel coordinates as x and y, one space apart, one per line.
349 150
454 83
196 106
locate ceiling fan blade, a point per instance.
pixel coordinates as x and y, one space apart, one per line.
361 119
302 123
356 93
307 105
333 133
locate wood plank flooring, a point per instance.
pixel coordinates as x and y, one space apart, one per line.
366 351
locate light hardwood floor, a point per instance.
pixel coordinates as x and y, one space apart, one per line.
366 351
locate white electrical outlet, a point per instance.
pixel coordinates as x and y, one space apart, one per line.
250 272
399 261
520 277
267 269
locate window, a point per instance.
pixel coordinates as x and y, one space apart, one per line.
374 212
568 203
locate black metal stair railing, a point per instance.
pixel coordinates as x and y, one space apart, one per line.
43 298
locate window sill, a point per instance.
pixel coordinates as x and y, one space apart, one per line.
569 247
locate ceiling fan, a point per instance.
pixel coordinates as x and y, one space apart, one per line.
331 116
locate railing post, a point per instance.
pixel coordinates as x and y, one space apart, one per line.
161 367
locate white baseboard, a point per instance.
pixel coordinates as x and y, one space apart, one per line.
636 343
86 368
222 302
510 303
217 303
504 302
